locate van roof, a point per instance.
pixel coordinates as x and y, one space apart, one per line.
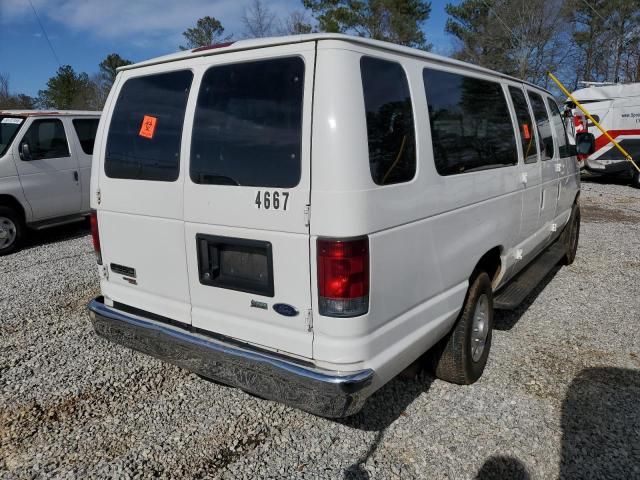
256 43
607 92
58 113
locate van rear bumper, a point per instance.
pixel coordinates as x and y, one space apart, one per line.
322 392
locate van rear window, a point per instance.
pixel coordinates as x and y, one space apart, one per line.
86 130
390 129
247 129
471 126
146 127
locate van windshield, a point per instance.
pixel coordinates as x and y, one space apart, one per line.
247 129
9 127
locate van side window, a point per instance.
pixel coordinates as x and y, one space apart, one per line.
560 129
86 130
471 126
389 115
525 125
543 125
248 124
146 127
46 139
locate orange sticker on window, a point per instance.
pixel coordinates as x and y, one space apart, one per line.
525 131
148 127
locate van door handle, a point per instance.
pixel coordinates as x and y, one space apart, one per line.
75 176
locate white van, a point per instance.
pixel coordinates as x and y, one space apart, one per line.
304 217
45 170
617 109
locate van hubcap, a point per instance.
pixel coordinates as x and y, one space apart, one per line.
480 327
7 232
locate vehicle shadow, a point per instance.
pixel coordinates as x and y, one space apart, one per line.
507 319
384 407
37 238
623 180
501 467
390 402
601 425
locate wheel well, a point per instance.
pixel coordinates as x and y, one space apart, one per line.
490 263
9 201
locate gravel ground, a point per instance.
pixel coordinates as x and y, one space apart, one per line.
559 398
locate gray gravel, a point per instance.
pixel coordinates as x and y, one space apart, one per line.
559 398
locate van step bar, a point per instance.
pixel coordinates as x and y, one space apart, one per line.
514 293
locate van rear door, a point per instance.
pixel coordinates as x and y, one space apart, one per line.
246 197
140 193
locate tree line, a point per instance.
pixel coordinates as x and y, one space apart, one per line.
67 90
579 40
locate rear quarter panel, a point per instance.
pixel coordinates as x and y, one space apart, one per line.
426 235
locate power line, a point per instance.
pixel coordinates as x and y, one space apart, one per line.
45 33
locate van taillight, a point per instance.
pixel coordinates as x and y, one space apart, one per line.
343 277
95 235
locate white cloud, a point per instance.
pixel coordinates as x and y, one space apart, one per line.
137 21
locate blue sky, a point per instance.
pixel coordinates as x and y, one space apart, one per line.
83 32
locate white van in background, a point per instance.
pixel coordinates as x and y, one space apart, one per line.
45 170
617 109
303 217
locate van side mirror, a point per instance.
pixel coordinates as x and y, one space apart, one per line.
25 152
585 143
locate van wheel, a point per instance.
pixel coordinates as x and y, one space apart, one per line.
11 230
462 355
635 179
572 235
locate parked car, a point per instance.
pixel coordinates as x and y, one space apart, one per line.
304 217
617 108
45 170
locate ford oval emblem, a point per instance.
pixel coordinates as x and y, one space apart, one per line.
286 310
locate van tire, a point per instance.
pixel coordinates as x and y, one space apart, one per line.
453 357
12 225
635 178
571 235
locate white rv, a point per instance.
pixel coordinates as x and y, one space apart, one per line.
303 217
617 109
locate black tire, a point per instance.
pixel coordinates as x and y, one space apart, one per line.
571 235
12 226
453 358
635 178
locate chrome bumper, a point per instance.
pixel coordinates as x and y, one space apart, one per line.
322 392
